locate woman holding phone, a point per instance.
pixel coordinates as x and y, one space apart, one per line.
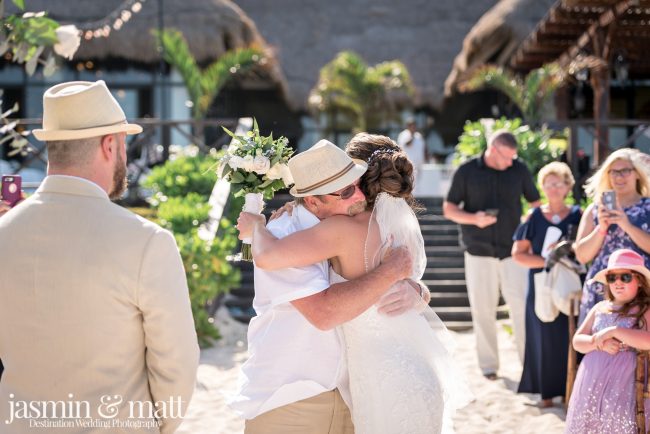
608 225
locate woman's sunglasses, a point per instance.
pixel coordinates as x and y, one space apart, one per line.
346 193
625 277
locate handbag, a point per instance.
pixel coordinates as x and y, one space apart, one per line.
565 285
545 308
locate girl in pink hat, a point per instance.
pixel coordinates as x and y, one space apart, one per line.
603 399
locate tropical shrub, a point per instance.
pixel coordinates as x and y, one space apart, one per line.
185 174
362 94
183 214
530 94
536 146
204 85
182 188
208 274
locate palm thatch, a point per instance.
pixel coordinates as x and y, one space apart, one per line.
495 37
424 35
211 27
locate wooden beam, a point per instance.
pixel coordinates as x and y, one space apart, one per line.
600 3
573 29
590 35
558 14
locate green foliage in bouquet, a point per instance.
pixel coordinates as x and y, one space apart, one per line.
182 188
256 164
183 175
536 147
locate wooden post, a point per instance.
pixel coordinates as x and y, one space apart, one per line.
600 86
640 389
572 360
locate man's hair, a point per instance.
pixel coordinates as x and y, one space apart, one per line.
68 153
503 137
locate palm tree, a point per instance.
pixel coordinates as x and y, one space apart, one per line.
529 94
203 86
363 94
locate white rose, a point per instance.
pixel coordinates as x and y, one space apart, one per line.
249 163
275 172
69 40
287 177
236 162
261 165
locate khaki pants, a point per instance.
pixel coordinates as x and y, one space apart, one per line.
485 276
322 414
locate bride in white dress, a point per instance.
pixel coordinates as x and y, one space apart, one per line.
403 379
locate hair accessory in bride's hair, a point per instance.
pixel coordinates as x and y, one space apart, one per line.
387 151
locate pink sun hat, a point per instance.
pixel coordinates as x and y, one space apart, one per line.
623 259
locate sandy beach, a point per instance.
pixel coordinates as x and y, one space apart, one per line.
496 409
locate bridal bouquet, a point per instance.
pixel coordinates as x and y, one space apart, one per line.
256 167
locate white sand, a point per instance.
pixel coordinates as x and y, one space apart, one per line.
497 408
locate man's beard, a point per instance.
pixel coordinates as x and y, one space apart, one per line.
120 182
357 208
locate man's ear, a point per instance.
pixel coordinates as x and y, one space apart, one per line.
311 203
107 144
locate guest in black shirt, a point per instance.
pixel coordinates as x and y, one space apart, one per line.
485 199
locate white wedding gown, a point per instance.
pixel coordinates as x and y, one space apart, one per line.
402 377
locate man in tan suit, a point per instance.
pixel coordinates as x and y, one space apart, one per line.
96 330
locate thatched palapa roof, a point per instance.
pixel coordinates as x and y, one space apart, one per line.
425 35
495 37
210 27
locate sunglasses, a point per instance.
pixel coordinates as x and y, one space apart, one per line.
346 193
625 277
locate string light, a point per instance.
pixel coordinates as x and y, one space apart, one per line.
113 21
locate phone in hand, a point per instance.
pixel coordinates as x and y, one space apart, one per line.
11 189
609 199
492 212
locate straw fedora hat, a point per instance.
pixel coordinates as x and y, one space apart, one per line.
322 169
81 109
623 259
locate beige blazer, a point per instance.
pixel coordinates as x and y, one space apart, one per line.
94 309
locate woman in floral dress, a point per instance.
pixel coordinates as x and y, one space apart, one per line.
627 226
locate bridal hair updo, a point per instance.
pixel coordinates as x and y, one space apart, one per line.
389 169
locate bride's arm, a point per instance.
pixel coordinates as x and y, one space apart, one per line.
322 241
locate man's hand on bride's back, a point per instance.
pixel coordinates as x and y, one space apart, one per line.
402 297
246 224
398 262
286 208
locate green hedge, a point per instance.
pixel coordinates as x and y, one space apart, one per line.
183 175
537 147
183 214
181 188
